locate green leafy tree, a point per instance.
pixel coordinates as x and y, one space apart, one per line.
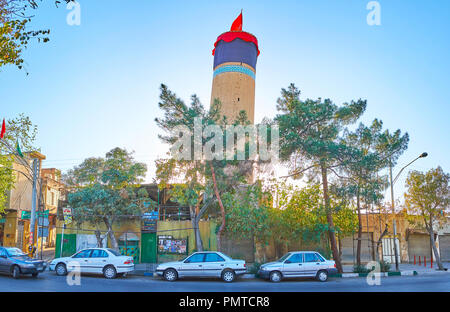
372 151
22 130
310 139
204 180
249 213
15 32
106 191
427 200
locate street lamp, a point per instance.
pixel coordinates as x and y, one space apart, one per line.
423 155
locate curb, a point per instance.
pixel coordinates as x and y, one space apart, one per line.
151 274
382 274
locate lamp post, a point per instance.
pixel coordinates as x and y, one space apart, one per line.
423 155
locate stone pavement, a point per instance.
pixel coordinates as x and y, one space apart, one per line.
420 269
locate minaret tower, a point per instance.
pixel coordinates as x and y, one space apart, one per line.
235 55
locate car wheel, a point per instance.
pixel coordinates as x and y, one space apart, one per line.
61 269
34 275
15 272
110 272
322 276
275 277
228 276
170 275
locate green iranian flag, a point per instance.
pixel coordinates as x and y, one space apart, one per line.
19 151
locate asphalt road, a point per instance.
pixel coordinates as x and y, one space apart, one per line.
49 282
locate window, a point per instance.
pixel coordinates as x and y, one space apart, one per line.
213 257
98 253
114 252
320 258
296 258
195 258
2 252
311 257
15 252
83 254
284 257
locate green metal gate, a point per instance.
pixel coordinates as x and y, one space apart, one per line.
148 248
69 246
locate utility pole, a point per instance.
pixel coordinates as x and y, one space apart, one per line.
393 215
33 204
423 155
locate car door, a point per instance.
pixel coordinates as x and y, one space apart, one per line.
98 260
293 266
193 266
3 260
312 264
82 258
214 264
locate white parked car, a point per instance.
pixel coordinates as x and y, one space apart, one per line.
203 264
104 261
298 264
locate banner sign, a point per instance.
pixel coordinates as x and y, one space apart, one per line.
169 245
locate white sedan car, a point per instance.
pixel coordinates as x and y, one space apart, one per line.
104 261
203 264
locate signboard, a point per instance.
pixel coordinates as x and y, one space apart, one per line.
43 221
67 213
153 215
169 245
149 222
43 231
26 215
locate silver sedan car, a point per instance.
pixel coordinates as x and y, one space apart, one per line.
298 264
203 264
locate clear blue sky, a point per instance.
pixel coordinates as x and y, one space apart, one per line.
95 86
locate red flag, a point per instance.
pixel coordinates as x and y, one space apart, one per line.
3 129
237 24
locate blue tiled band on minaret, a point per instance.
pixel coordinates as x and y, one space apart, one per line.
234 69
238 51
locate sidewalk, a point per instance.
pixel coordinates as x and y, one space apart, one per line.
48 254
420 269
148 269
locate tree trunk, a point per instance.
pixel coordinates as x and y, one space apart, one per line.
98 235
195 218
331 233
340 246
358 245
114 244
222 209
433 245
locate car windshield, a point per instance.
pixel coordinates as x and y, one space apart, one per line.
284 257
114 252
15 252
